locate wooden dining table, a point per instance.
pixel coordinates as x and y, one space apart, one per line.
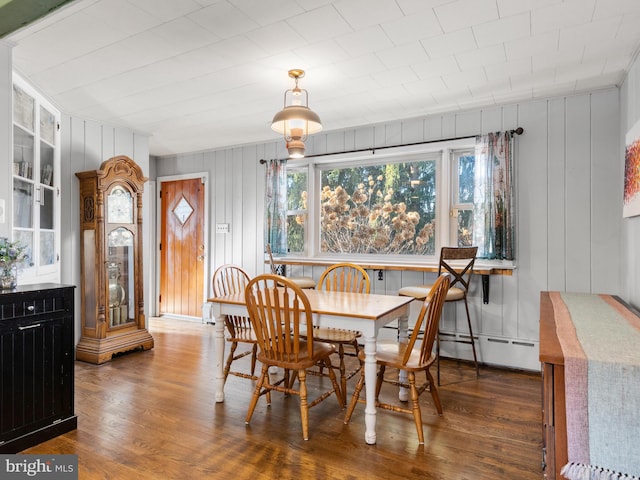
366 313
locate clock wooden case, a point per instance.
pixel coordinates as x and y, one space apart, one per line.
111 287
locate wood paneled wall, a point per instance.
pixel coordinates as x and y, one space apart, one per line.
630 114
85 145
569 186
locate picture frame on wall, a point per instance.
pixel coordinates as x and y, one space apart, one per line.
631 205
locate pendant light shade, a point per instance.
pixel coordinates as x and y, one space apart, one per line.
296 120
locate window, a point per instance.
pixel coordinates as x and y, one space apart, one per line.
297 186
404 203
378 208
463 186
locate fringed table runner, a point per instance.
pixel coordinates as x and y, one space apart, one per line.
600 341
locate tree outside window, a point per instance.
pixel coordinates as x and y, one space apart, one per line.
297 184
462 202
379 209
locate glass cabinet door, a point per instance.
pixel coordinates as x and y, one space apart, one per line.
36 192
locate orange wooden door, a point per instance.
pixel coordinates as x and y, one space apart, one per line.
182 247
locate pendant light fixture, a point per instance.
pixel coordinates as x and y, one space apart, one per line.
296 120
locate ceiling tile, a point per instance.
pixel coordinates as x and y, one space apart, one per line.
592 33
614 8
431 85
276 38
122 15
449 43
509 7
362 65
321 53
528 47
167 10
570 73
486 57
503 30
407 29
403 55
465 13
531 80
320 24
364 41
411 7
498 72
367 13
456 81
395 76
436 67
224 20
561 15
69 38
547 60
267 12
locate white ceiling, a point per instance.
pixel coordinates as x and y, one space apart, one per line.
205 74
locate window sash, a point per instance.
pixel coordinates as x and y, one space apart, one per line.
444 154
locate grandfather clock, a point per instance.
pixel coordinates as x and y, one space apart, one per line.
111 261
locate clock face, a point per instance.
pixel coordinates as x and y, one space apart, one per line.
119 206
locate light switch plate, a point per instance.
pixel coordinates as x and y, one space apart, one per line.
2 220
222 228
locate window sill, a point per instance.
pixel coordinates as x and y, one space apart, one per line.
481 267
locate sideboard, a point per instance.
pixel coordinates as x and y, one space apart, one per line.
36 360
588 352
554 427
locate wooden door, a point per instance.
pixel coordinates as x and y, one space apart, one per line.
182 247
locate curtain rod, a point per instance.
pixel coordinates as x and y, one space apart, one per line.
517 131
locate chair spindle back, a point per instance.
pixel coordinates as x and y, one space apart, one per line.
345 277
280 312
429 319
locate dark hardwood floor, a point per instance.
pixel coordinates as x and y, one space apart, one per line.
152 415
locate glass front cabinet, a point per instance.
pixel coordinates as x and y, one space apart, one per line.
36 183
113 318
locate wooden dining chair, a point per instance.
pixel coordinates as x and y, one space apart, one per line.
230 279
343 277
412 357
279 311
459 262
302 282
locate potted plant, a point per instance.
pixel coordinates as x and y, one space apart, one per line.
12 255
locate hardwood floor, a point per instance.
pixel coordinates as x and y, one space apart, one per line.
152 415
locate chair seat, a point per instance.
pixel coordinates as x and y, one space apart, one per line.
335 335
390 354
303 361
420 292
303 282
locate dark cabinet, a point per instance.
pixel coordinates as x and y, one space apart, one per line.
36 360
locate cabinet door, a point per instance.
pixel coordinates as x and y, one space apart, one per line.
36 192
36 374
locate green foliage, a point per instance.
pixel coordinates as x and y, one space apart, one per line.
375 209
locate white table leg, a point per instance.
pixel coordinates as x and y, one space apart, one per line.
370 389
403 327
219 344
